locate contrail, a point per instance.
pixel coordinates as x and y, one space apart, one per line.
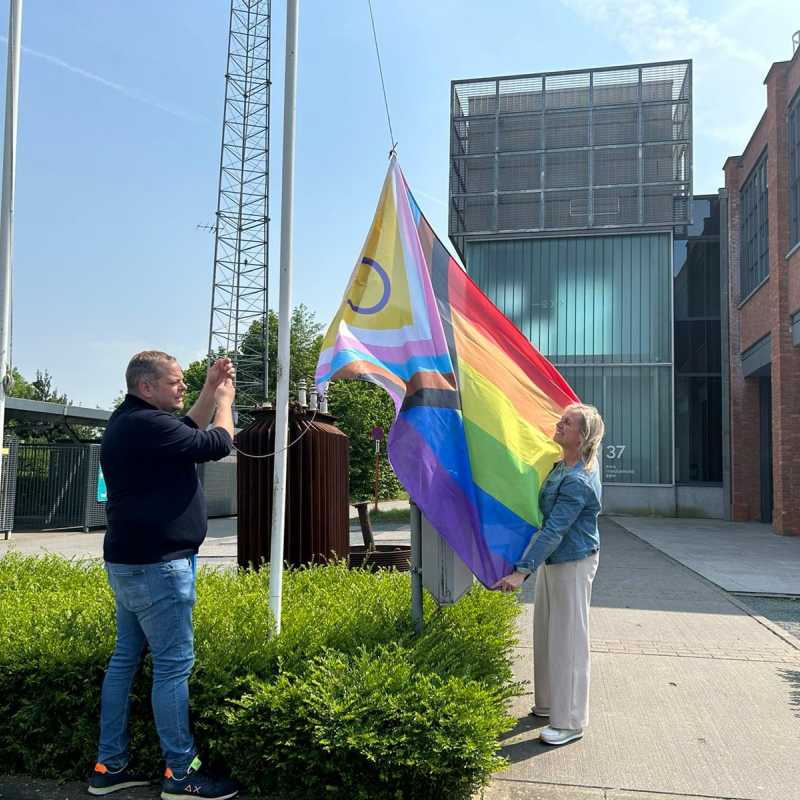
133 94
430 197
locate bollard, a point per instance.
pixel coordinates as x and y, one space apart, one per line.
366 528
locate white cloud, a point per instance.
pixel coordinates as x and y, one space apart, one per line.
664 28
731 51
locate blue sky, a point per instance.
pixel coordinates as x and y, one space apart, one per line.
120 122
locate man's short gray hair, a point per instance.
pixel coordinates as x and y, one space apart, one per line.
146 366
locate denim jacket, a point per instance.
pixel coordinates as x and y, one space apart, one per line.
570 503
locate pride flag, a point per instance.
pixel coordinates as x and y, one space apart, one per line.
476 404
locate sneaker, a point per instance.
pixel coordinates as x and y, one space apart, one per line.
105 781
551 735
197 783
538 712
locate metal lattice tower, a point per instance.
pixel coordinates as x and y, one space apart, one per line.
239 294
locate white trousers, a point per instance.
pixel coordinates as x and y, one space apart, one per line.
561 641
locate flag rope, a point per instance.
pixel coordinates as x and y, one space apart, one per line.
392 142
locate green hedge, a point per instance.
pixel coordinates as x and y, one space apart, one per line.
346 702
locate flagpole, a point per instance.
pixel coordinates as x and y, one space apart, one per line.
284 318
7 203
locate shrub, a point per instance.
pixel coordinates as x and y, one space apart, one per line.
346 702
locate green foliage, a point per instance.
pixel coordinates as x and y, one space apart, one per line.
347 702
390 515
359 407
194 376
42 388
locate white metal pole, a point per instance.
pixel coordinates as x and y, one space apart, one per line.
284 318
7 203
416 568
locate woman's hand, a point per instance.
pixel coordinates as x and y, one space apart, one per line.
510 582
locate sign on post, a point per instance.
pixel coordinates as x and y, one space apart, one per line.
377 435
102 492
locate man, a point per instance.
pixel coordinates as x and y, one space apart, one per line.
157 520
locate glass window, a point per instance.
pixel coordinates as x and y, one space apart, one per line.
698 349
754 240
599 308
794 171
698 429
697 286
705 217
636 404
582 300
697 346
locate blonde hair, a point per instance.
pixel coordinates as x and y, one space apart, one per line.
592 431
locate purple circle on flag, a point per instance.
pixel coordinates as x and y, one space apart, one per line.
387 289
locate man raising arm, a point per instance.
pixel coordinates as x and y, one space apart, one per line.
157 520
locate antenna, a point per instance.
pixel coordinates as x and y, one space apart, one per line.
238 325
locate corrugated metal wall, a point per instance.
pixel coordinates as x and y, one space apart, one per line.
599 307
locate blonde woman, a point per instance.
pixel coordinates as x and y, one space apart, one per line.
565 552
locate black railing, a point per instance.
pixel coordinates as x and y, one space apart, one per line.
57 487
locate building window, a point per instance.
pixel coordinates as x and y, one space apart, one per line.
754 241
698 348
698 428
598 308
794 172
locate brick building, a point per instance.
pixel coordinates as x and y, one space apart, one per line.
762 186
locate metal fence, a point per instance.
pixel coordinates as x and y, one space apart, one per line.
8 485
57 487
601 148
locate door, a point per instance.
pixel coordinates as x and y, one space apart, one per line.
765 446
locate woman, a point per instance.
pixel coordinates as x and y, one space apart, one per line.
565 551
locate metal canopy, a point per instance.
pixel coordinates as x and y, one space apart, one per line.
41 411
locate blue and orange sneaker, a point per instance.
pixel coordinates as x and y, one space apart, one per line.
105 781
197 783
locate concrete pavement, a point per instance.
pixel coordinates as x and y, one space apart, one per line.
742 557
219 546
691 696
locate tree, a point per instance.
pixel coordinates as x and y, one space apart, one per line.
359 407
42 388
305 341
39 389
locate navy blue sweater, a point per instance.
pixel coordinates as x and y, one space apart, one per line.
156 507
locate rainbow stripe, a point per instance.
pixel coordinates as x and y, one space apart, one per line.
476 403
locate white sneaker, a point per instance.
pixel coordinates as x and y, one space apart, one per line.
537 712
551 735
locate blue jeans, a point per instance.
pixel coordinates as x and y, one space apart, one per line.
154 606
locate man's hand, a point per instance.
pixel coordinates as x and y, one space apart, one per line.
220 371
225 392
511 582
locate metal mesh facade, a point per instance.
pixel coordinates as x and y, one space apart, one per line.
593 149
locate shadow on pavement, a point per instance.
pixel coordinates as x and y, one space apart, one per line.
792 677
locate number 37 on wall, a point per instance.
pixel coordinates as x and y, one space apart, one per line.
614 451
